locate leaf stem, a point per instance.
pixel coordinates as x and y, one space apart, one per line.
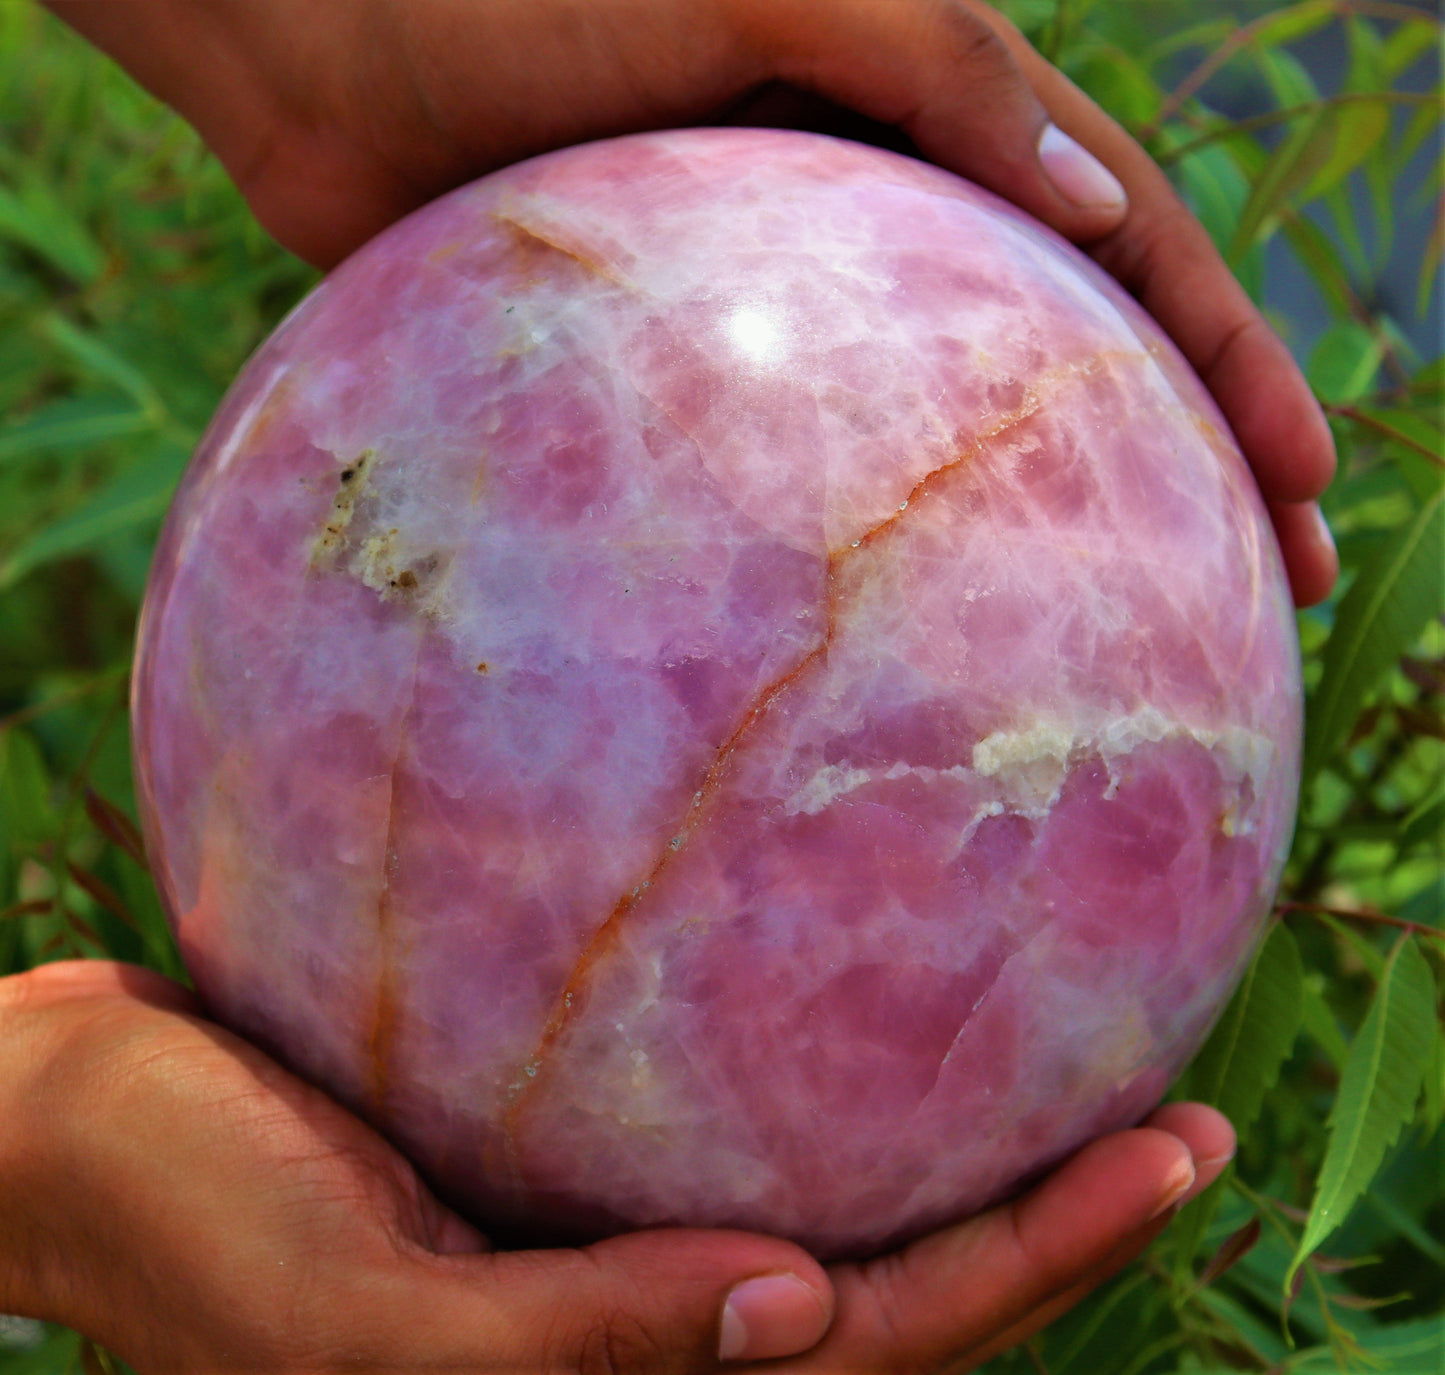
1243 37
60 699
1166 156
1383 427
1413 928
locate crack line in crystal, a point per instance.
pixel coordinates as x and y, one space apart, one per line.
569 1000
386 1009
526 234
605 935
969 1016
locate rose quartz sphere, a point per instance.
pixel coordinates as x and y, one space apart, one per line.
720 677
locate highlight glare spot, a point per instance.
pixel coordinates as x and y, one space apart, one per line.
756 334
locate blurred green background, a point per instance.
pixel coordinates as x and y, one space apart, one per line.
133 283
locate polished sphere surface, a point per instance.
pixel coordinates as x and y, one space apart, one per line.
720 677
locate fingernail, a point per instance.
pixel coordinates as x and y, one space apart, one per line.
1176 1185
1322 527
771 1316
1206 1172
1076 173
1214 1162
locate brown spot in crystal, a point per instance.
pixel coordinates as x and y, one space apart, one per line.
535 248
482 667
383 558
275 407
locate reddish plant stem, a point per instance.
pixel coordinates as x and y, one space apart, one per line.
1357 914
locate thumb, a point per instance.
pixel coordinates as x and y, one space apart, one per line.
645 1303
942 71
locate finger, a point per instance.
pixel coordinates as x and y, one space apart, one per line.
939 71
674 1300
1056 1307
1211 1140
66 979
976 98
1206 1132
1309 550
1162 254
952 1291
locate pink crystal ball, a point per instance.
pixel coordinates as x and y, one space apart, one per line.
720 677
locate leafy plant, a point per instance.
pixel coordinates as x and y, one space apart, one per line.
133 282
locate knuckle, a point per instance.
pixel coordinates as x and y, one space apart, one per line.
972 43
1146 245
619 1343
888 1288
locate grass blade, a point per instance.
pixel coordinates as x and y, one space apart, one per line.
73 423
132 498
101 360
36 220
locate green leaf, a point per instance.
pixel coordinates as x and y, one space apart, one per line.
26 813
1305 150
1244 1325
1289 81
1325 145
100 360
33 218
1426 824
1293 23
1399 1220
1390 602
1216 190
1254 1037
1410 1348
1366 71
1343 365
137 496
1357 125
1242 1059
1432 1103
1407 43
1415 426
1209 34
1125 89
1363 950
1320 1022
73 423
1378 1092
1430 266
1315 251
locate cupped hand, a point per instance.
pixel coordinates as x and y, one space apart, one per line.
336 120
176 1195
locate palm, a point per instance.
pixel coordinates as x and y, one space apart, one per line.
283 1233
236 1192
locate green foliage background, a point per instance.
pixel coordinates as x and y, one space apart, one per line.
133 282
